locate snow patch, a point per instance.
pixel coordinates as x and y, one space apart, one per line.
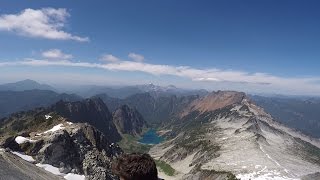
55 170
23 156
55 128
50 168
47 116
21 140
72 176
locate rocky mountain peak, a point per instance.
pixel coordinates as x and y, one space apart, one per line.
215 100
72 147
92 111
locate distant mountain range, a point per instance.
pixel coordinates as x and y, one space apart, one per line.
154 109
300 113
156 103
13 101
126 91
25 85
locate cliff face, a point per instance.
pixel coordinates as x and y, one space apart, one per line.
128 121
92 111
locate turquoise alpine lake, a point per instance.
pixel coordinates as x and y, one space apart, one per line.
151 137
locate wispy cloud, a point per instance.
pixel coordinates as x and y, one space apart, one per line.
208 76
42 23
56 54
136 57
109 58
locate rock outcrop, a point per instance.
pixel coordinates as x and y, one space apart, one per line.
73 148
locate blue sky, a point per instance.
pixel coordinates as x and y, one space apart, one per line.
265 46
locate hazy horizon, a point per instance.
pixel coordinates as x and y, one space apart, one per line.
269 47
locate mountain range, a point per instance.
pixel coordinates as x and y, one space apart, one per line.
25 85
126 91
299 113
216 135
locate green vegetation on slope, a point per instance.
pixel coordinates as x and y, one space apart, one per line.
166 168
130 144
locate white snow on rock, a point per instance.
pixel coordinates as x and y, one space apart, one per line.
72 176
21 140
55 170
55 128
23 156
47 116
50 168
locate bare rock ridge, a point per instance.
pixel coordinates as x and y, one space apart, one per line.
215 100
225 132
128 121
13 168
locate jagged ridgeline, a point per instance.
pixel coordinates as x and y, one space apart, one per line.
222 135
226 132
76 137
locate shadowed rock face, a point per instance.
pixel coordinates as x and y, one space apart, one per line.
92 111
128 121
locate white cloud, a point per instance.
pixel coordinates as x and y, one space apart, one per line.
56 54
42 23
239 79
109 58
136 57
